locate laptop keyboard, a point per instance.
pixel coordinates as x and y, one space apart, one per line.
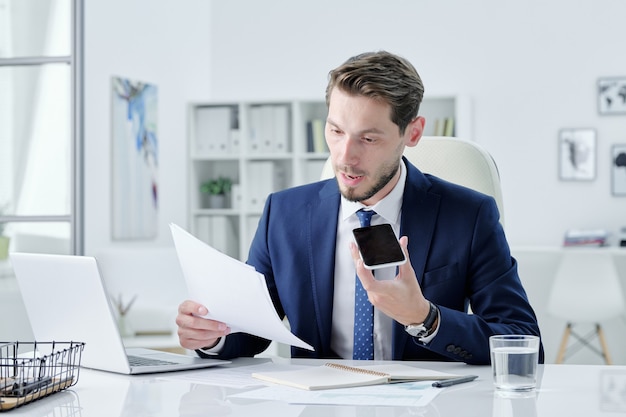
141 361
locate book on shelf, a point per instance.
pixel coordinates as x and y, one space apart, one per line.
585 238
315 137
448 129
335 375
444 127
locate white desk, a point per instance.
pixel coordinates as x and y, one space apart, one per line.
565 390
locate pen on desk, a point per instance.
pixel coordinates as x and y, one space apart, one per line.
454 381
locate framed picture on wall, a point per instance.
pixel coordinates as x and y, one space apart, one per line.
612 95
577 154
618 170
134 159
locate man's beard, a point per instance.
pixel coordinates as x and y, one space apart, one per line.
387 174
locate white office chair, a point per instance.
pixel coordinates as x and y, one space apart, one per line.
586 290
456 160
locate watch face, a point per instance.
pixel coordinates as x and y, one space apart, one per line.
416 330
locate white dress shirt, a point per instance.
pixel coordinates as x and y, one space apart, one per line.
388 210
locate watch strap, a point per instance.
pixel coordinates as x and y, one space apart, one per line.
426 328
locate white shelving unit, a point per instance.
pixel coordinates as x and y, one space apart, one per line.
438 109
265 147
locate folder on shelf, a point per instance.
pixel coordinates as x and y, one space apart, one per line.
213 129
260 183
269 128
220 232
280 138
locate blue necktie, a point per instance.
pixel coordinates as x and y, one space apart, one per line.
363 309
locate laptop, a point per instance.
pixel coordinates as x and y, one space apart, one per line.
66 300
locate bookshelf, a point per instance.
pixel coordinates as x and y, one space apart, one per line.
264 147
447 116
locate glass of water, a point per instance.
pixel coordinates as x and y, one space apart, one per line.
514 361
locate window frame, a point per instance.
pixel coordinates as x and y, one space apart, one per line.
75 60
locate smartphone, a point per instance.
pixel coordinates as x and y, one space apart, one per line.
379 246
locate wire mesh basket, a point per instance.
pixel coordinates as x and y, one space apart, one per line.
32 370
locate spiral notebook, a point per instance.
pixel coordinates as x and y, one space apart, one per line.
335 375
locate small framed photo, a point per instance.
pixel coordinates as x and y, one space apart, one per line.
618 170
577 154
612 95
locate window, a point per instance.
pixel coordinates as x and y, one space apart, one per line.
40 125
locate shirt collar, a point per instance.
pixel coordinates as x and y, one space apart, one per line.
388 207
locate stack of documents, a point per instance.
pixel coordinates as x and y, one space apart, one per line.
233 292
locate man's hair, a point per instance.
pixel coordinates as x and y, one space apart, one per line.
381 76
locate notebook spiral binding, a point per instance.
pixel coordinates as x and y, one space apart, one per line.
33 370
357 370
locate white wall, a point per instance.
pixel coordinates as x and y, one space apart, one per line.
529 67
161 42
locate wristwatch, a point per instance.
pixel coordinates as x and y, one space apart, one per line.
426 328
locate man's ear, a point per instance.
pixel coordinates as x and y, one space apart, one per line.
414 131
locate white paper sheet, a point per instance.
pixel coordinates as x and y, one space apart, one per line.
231 377
232 291
408 394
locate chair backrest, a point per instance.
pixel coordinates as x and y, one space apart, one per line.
456 160
586 287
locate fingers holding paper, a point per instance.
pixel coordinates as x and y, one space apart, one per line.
400 298
196 332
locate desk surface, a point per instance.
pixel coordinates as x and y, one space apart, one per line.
569 390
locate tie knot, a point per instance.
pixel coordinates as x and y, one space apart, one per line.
365 216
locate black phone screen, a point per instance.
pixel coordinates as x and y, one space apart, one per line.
378 246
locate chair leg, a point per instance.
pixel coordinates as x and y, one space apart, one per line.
561 353
605 350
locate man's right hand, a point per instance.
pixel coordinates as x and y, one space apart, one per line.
196 332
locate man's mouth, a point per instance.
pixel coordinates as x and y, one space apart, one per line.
351 180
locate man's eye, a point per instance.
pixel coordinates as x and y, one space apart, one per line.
369 140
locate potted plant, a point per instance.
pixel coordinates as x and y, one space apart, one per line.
216 191
4 240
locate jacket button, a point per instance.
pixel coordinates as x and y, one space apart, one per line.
457 350
450 348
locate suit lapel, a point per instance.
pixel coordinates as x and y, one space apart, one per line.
419 214
321 248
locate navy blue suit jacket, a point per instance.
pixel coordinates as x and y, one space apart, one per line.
457 248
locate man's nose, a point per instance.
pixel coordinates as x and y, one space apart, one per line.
350 151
